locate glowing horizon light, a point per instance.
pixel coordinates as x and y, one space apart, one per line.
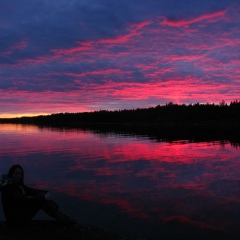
22 115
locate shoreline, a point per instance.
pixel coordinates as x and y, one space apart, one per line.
49 230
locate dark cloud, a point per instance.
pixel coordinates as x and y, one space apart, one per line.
51 25
71 45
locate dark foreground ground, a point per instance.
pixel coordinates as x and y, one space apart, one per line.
49 230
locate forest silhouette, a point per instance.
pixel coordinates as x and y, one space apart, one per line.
172 121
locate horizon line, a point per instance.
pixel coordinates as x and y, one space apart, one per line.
29 115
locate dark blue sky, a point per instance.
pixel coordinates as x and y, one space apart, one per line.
86 55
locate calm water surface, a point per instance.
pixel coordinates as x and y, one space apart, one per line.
129 184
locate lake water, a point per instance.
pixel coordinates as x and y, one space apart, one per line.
132 185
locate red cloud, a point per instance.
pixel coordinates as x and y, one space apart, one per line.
184 219
152 64
178 90
94 72
16 47
134 31
86 46
212 17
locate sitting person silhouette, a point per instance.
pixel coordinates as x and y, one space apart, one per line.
21 203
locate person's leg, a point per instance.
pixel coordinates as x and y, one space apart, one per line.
52 209
29 213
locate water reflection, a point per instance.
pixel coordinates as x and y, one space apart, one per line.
130 177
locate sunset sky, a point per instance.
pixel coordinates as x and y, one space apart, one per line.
87 55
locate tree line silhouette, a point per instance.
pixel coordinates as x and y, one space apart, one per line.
169 114
172 121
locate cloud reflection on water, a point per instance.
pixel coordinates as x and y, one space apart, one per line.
197 183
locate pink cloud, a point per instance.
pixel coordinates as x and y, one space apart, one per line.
94 72
20 46
90 45
178 90
210 17
152 61
134 32
83 46
187 220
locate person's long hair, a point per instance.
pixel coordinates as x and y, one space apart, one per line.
12 170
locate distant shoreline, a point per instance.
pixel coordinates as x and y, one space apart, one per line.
169 113
171 121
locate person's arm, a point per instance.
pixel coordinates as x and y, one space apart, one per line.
15 194
34 192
